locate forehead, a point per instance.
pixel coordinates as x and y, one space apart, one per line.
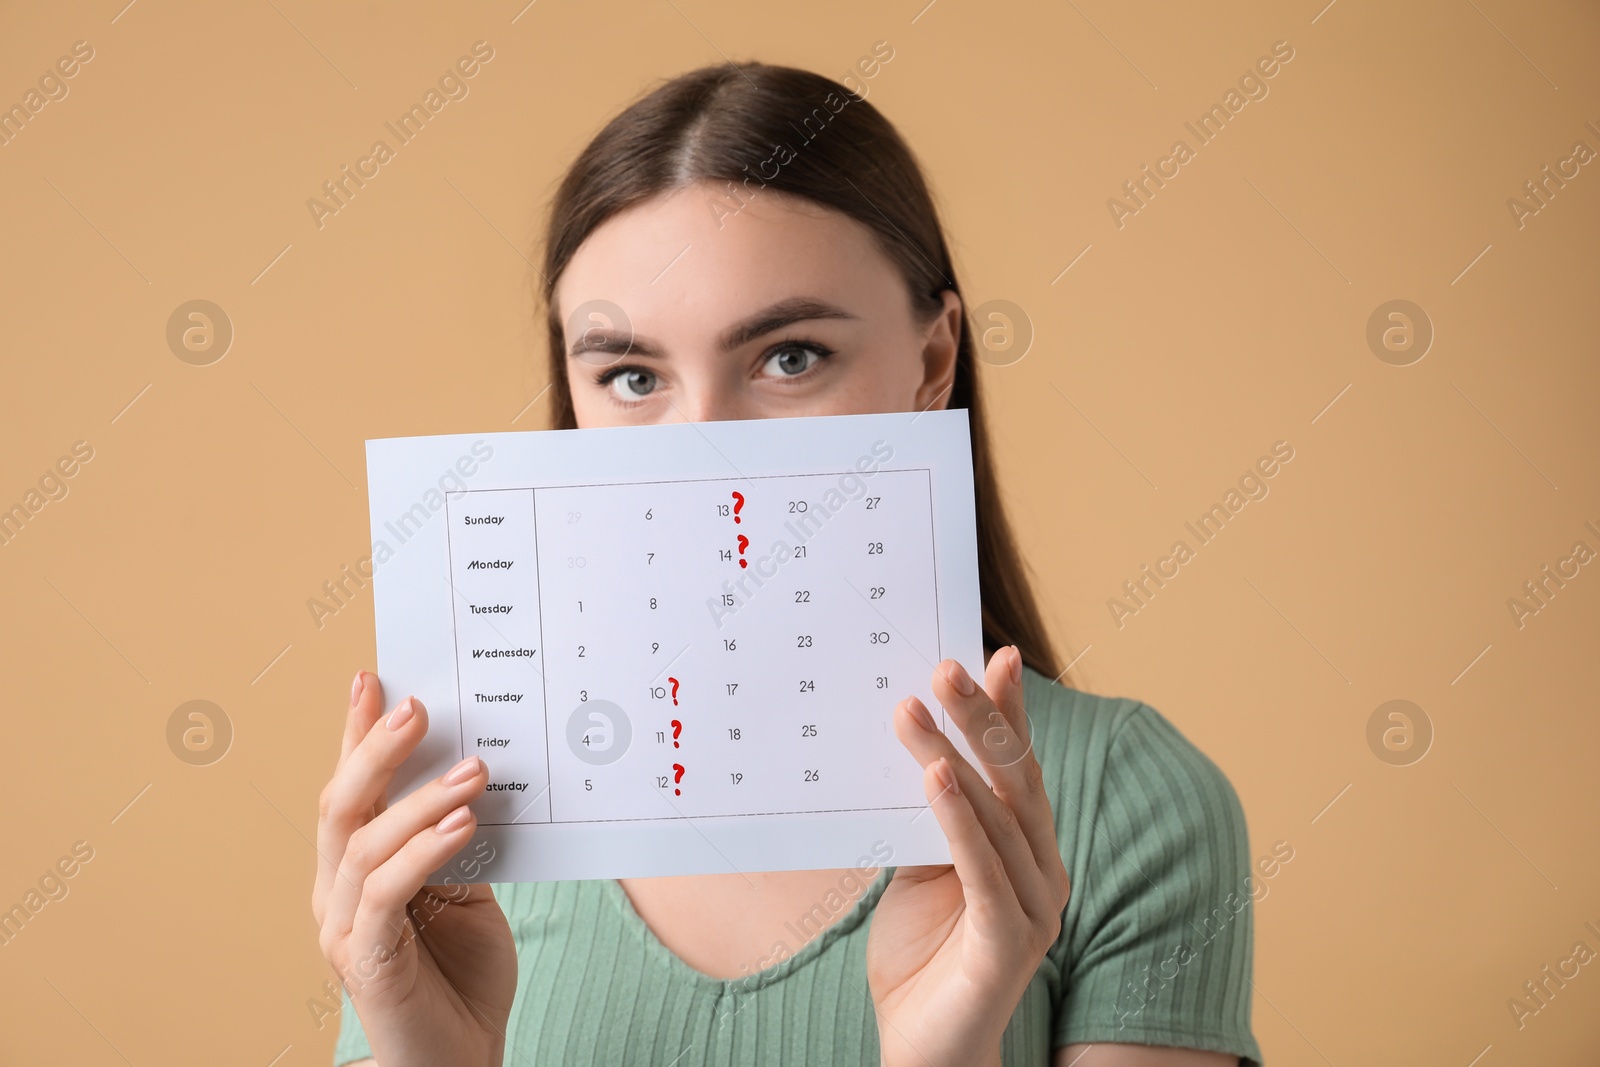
696 254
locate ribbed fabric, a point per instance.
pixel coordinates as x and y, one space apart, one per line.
1155 946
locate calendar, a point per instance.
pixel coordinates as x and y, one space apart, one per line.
678 647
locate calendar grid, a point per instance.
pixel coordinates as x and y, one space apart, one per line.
550 729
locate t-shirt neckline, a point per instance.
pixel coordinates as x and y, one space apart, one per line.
858 912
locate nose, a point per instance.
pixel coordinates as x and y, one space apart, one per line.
707 402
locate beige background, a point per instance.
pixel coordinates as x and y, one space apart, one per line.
1226 315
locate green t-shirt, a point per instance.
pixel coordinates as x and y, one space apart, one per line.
1155 947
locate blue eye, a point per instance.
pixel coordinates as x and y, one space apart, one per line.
792 359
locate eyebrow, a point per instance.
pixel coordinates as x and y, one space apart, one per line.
770 318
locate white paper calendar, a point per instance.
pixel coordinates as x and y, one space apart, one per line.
678 648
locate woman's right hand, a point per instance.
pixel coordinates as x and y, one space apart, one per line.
431 972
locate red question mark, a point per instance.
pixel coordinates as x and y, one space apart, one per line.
738 502
674 682
677 776
744 543
677 731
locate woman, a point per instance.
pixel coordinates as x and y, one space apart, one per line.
775 251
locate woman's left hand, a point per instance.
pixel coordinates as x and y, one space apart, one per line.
953 947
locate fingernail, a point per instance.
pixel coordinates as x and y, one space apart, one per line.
455 820
1016 665
462 771
947 776
958 677
401 715
356 687
919 712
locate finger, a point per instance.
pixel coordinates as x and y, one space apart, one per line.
1005 744
372 845
1031 801
381 919
915 728
366 704
985 883
995 724
350 798
996 741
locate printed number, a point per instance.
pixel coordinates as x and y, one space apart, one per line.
880 637
649 557
797 506
661 781
808 729
588 785
886 772
583 696
877 593
808 686
652 603
649 513
577 561
813 776
736 777
802 596
655 646
800 552
661 737
725 554
580 652
732 687
802 641
730 644
727 600
872 502
883 681
874 548
574 516
733 733
722 509
580 605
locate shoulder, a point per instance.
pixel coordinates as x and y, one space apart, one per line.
1118 763
1080 733
1157 853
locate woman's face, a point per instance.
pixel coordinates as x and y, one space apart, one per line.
783 308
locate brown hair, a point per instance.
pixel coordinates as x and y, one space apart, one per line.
731 125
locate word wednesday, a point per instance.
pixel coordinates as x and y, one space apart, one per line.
1252 83
452 84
